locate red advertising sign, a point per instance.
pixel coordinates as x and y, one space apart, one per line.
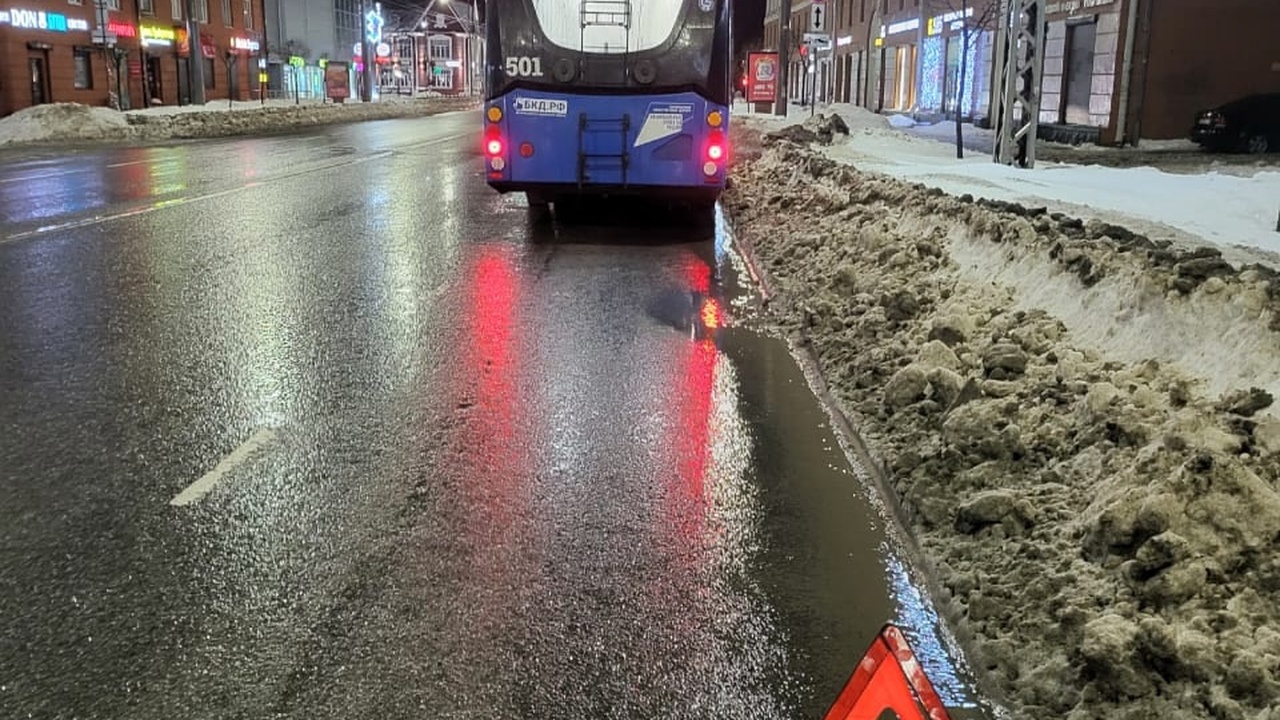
337 80
762 76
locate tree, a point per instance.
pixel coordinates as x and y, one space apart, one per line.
983 17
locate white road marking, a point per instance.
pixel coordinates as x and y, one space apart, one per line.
199 488
131 162
46 176
162 204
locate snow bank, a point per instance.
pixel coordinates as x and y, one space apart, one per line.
70 121
63 122
1236 214
1093 479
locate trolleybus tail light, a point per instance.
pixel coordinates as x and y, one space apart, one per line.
716 146
493 145
526 149
495 113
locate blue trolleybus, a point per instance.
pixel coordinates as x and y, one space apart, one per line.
608 97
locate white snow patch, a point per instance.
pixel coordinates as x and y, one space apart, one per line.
1223 210
901 121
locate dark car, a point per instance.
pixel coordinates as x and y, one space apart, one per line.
1250 124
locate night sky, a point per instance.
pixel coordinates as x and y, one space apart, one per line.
748 21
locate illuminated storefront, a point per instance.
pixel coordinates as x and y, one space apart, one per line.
47 55
121 56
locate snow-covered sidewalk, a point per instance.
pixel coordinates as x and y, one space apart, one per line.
1236 214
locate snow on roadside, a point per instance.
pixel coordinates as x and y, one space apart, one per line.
63 122
241 105
1104 523
1236 214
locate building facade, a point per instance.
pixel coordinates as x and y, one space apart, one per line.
1115 71
126 53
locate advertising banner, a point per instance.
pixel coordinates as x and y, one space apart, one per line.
337 83
762 76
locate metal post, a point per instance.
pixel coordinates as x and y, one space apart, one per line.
195 55
366 55
784 59
1019 59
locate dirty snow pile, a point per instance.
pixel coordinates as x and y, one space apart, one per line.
63 122
1077 420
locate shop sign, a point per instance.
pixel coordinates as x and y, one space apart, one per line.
153 35
41 20
1071 7
900 27
936 23
120 29
245 44
207 48
297 60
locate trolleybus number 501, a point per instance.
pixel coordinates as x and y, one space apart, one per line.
524 66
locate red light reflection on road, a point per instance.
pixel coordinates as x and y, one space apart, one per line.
697 373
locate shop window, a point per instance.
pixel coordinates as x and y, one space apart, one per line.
83 69
210 72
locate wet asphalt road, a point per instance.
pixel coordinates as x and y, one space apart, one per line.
498 469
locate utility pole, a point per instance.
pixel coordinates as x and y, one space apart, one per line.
195 55
1019 59
784 59
366 49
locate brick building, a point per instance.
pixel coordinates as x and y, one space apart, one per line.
1114 70
125 53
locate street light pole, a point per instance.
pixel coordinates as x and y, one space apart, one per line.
366 53
195 55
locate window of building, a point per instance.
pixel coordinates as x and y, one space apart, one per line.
441 48
84 69
226 13
248 14
147 7
175 8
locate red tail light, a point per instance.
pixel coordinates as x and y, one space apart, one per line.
493 144
716 146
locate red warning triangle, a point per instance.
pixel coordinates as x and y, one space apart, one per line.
888 683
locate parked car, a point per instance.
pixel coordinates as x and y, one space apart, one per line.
1250 124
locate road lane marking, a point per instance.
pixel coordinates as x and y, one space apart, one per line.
199 488
162 204
46 176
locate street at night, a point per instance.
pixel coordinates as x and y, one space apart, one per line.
320 425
